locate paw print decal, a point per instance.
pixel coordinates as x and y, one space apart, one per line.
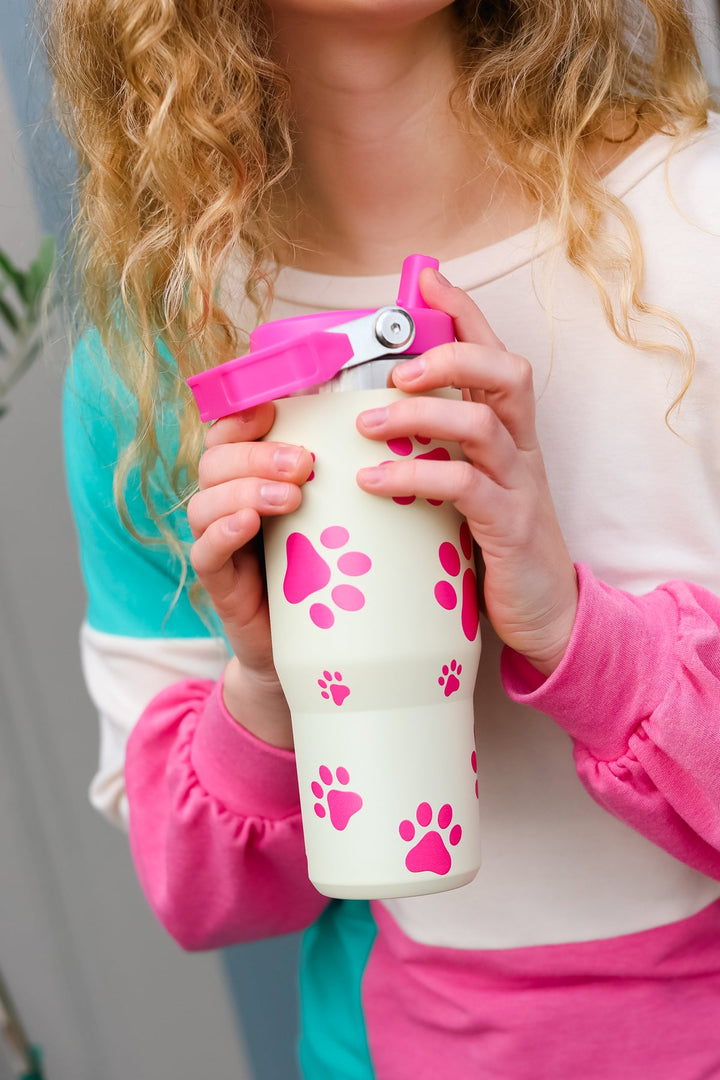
339 803
308 572
332 686
432 850
447 592
450 677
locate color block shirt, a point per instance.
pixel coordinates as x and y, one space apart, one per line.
589 943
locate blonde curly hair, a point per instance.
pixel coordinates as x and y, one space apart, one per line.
182 124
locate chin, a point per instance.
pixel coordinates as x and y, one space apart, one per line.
382 10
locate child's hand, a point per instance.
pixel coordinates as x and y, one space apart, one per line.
530 583
241 479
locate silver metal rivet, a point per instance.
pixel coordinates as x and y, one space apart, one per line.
394 329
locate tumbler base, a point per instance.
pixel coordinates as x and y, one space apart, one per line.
395 890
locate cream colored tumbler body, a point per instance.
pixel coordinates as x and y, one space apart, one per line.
373 609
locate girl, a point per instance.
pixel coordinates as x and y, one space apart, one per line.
242 160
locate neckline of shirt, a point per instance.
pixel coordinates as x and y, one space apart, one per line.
477 268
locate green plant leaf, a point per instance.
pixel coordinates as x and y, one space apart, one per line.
13 274
10 317
40 270
22 319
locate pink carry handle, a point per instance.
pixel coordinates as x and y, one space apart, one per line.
243 382
409 295
296 353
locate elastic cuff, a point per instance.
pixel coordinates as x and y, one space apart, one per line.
249 777
617 668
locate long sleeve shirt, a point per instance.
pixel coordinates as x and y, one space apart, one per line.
588 944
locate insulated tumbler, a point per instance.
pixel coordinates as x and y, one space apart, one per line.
373 608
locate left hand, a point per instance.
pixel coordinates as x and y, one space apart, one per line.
530 585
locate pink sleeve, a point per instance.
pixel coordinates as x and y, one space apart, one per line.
215 823
639 691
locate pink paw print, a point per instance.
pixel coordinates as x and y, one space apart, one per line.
332 686
403 447
431 852
473 763
307 572
449 679
338 802
446 592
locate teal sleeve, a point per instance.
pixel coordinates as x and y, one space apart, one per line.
131 585
333 1040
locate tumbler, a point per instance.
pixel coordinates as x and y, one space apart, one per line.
373 607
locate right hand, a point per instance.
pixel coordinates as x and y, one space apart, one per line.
241 479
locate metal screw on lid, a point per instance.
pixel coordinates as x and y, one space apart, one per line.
394 328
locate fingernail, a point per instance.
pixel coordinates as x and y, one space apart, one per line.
374 417
441 279
286 458
372 477
411 369
274 494
236 523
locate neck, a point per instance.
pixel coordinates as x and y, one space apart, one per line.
382 166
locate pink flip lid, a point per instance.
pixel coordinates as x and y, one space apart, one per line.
293 354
